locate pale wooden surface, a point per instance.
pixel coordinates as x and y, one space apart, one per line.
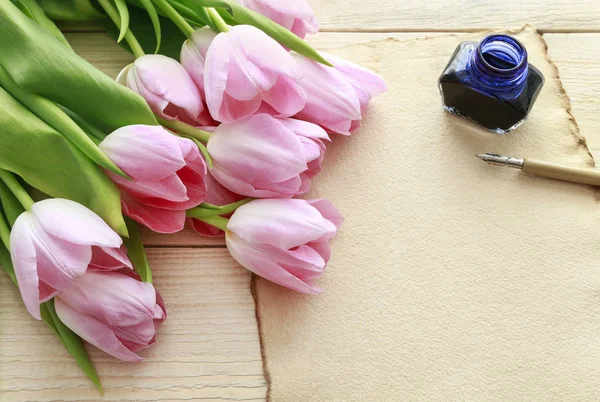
209 349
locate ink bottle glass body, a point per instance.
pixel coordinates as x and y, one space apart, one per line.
491 83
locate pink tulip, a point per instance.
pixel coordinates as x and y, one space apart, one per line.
168 175
113 311
337 98
284 241
294 15
246 70
168 89
193 55
265 157
216 195
52 246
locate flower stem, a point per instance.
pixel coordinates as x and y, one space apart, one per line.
174 16
132 41
13 184
217 20
216 221
185 129
4 232
201 212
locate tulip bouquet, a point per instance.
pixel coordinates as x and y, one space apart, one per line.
222 133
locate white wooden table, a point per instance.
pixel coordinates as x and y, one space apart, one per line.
209 349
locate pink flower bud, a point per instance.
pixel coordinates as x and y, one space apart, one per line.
284 241
294 15
168 89
113 311
168 175
246 70
265 157
53 244
337 97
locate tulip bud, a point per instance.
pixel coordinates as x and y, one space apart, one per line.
167 172
337 97
284 241
168 89
52 246
265 157
246 70
113 311
296 16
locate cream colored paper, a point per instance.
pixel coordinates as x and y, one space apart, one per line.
451 280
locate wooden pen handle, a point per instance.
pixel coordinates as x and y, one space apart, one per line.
565 173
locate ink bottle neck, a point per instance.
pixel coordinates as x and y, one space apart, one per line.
499 62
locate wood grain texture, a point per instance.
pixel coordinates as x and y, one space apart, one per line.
208 348
457 15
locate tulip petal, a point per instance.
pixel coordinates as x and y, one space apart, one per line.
47 292
205 229
258 148
147 153
305 129
193 55
328 211
94 331
167 79
284 224
112 297
262 264
72 222
24 260
157 219
287 97
59 262
370 81
109 259
170 188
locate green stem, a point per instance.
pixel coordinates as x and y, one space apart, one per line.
203 212
217 20
187 13
216 221
13 184
132 41
174 16
185 129
4 232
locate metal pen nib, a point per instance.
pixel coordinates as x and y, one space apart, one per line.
499 160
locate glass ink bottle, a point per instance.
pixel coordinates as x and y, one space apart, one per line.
491 83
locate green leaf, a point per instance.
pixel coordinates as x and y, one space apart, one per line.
153 15
48 161
74 345
141 24
36 13
10 204
59 120
136 252
39 64
241 15
6 262
124 15
70 10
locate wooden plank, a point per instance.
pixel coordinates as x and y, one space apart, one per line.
441 15
207 350
578 59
